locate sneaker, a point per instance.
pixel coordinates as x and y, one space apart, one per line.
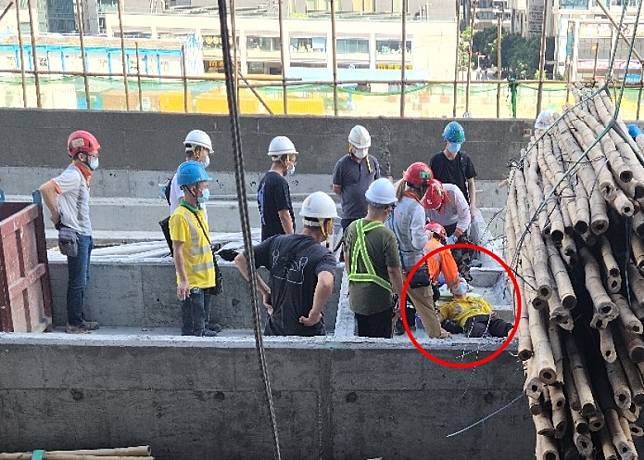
76 329
90 325
216 328
209 333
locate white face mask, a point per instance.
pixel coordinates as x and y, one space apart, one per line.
360 153
93 163
290 170
206 161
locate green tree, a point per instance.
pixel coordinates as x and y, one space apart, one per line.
519 55
464 48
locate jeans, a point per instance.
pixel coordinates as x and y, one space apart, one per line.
78 276
376 325
195 310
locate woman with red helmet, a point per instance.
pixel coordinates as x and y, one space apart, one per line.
446 205
442 266
67 198
407 221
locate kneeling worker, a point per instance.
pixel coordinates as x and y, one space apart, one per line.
442 266
301 271
471 315
372 256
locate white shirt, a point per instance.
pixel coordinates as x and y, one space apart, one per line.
454 210
73 200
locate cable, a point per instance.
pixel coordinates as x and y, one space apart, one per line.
240 182
487 417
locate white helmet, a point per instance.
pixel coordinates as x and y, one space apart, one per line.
319 205
545 120
381 191
359 137
281 145
197 137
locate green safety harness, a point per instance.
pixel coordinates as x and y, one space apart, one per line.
359 249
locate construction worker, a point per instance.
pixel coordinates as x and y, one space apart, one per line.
301 271
471 315
544 121
352 175
273 193
636 133
193 259
407 221
372 255
67 198
452 166
198 147
442 266
447 206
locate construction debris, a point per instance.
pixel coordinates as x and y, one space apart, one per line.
574 227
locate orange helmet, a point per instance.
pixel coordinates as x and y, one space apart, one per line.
437 229
434 196
82 142
418 174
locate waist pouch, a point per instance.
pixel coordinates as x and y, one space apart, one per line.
420 278
68 241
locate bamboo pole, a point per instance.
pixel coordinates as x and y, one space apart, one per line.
557 355
584 444
469 58
565 290
334 59
533 386
638 223
608 451
633 375
542 57
617 435
619 384
544 361
123 56
404 55
34 54
280 18
626 316
606 345
81 35
499 34
637 248
570 390
233 30
636 430
23 82
602 304
543 425
633 343
456 63
546 448
596 422
611 269
580 377
632 413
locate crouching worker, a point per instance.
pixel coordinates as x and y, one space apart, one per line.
442 266
373 259
301 271
471 315
193 258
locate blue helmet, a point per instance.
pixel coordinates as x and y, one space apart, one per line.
634 130
191 172
454 132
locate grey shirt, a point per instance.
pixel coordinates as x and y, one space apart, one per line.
355 178
73 200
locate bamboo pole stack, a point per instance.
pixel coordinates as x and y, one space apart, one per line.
120 453
575 229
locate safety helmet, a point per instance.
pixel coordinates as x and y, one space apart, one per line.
197 137
454 132
359 137
281 145
191 172
381 191
319 205
82 142
634 130
418 174
434 195
545 120
437 229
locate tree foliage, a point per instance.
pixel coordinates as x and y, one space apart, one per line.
519 55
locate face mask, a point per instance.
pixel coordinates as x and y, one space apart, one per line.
453 147
360 153
206 161
93 163
290 170
205 196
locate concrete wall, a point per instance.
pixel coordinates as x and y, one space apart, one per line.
200 398
144 295
152 141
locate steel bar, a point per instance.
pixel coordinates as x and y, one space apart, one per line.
499 36
34 54
257 95
22 58
6 10
81 35
542 55
123 56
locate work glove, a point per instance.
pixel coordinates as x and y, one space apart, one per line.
451 239
228 254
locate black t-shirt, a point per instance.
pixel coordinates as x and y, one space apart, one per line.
273 196
456 171
294 263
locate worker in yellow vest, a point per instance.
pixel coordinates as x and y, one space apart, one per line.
373 260
193 258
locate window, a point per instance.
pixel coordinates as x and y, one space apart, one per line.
353 66
352 45
391 46
573 4
311 45
263 43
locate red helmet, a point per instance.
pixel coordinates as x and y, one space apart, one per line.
437 229
418 174
82 142
434 195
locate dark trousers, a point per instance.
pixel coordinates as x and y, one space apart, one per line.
195 311
77 278
377 325
477 326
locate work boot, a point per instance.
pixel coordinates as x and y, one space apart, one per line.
216 328
209 333
76 329
90 325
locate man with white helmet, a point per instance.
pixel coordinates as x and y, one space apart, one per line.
301 271
373 261
273 193
352 175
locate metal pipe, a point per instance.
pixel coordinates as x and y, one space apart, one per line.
334 59
138 77
469 59
184 79
257 95
123 57
34 56
404 52
233 30
619 30
458 40
281 25
596 46
81 35
6 10
499 34
542 56
22 58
